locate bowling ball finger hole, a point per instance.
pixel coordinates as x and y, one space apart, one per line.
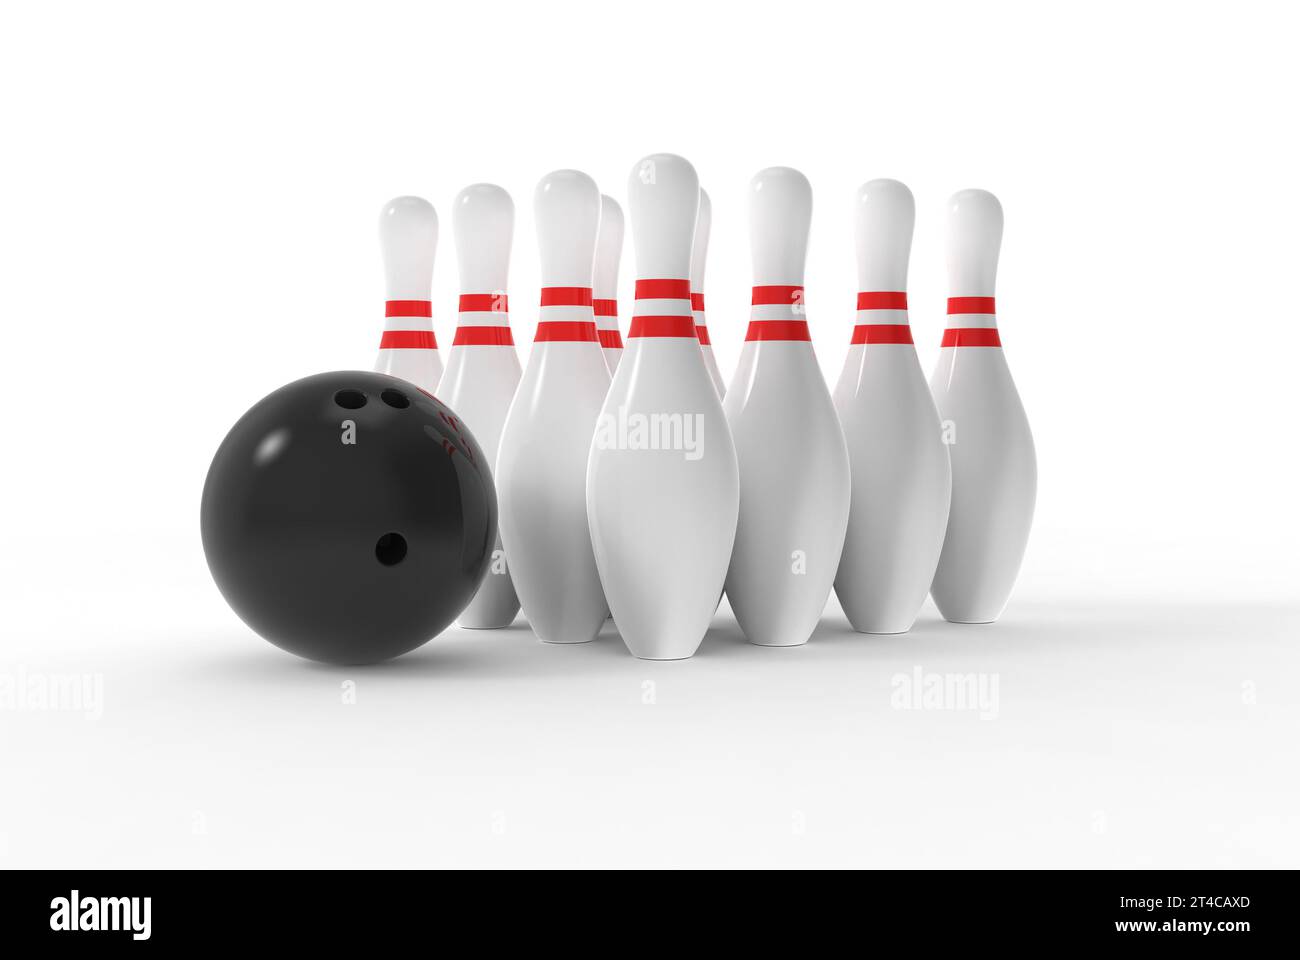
390 549
350 399
395 398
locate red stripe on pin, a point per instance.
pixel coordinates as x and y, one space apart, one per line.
408 308
882 332
484 303
971 337
408 340
483 337
778 330
970 305
570 330
697 301
663 289
662 327
610 339
777 295
566 296
882 300
702 334
605 308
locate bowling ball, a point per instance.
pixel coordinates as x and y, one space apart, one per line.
348 517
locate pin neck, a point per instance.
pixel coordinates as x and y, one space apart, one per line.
968 305
484 320
972 322
784 302
496 302
566 315
792 330
483 335
408 308
869 333
882 318
661 326
882 300
663 309
663 289
408 325
777 312
971 337
571 331
566 296
777 294
408 340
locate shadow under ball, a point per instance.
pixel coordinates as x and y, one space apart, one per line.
348 517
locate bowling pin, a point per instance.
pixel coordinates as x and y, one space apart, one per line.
542 466
609 248
900 474
482 366
794 467
661 481
994 470
700 253
408 238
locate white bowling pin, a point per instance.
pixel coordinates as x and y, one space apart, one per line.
609 248
408 238
661 482
482 365
542 466
994 469
901 478
794 467
699 254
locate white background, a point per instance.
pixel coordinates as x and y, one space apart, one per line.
188 214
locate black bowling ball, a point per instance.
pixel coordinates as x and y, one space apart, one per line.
348 517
